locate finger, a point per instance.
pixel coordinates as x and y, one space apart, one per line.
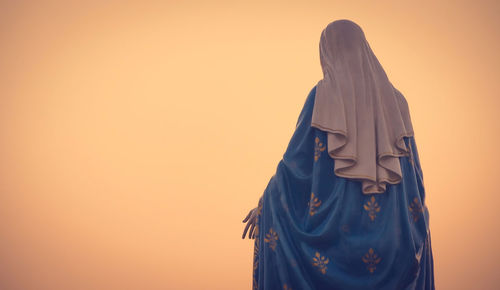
245 231
247 217
251 231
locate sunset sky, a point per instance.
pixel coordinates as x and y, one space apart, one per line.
135 136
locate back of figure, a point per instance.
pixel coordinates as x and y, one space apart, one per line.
346 207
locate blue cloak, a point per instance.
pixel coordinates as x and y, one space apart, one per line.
316 230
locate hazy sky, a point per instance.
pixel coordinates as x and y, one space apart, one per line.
136 135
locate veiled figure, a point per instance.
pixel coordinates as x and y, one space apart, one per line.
316 229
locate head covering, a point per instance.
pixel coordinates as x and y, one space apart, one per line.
365 117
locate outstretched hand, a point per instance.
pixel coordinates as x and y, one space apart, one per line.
251 218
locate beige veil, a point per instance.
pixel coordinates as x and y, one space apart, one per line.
365 117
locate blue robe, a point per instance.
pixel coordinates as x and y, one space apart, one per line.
315 230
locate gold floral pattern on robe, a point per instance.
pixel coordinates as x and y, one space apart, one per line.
256 246
416 209
256 256
256 230
313 204
259 208
371 259
255 263
320 262
318 148
271 238
286 287
258 214
372 207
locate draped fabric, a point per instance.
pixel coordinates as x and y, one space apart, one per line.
364 115
316 230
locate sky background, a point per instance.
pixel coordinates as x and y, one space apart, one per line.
135 136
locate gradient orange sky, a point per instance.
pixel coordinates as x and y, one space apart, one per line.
136 135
